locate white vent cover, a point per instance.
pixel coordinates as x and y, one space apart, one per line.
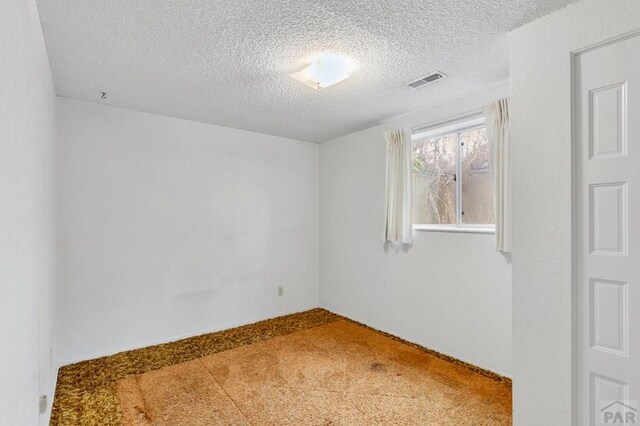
434 76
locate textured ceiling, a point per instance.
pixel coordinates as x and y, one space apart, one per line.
227 62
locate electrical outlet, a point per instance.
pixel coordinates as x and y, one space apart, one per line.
42 404
280 291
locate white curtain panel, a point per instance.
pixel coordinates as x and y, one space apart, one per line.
497 119
398 195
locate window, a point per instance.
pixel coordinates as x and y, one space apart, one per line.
451 178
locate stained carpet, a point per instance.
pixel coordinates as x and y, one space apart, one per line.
308 368
334 374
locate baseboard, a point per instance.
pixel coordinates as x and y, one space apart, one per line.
431 349
252 320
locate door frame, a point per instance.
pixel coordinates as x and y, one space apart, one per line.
574 231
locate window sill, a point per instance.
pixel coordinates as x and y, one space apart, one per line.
453 228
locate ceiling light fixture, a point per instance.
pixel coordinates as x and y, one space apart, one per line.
324 70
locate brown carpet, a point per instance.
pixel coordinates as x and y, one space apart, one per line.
86 391
339 373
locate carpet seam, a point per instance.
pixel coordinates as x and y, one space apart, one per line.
225 391
147 407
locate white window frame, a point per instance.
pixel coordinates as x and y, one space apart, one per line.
457 125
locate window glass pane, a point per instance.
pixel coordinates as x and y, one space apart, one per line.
434 186
477 199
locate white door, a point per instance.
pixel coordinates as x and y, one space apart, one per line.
607 213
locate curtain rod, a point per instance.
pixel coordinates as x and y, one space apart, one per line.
450 120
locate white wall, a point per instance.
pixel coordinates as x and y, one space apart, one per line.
450 292
169 228
541 137
27 197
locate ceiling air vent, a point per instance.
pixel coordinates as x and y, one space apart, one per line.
434 76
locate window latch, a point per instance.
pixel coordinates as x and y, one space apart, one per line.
455 178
